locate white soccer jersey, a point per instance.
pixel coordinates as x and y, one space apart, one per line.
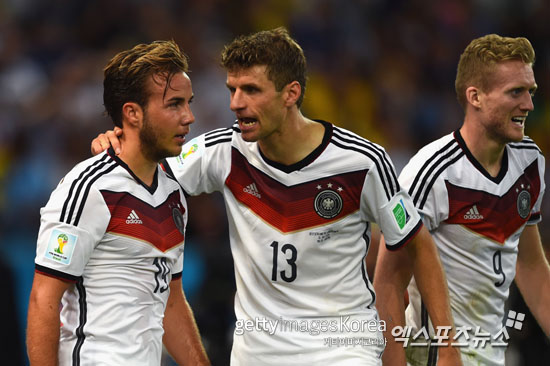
299 236
476 221
121 243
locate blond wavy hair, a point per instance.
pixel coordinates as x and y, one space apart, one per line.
480 57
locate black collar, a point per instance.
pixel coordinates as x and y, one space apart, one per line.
477 164
309 158
152 188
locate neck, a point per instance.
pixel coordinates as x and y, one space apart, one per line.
296 139
485 149
142 167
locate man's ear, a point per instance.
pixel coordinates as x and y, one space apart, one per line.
132 114
473 96
292 93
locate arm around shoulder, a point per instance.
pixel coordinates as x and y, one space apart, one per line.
106 139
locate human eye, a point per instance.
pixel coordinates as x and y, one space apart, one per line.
517 91
251 89
175 102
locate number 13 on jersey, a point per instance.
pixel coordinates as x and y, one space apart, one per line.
288 271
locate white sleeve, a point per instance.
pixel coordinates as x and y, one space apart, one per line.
63 248
536 217
432 203
178 266
200 168
391 208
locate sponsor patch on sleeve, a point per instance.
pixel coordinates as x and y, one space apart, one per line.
400 214
398 218
61 247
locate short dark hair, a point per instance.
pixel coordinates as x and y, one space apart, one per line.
478 61
126 74
283 57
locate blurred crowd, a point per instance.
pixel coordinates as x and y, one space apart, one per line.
384 69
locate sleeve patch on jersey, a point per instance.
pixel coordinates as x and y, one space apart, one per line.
188 149
61 247
398 218
400 214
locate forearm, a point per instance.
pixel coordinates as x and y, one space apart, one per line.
43 320
392 310
43 333
536 293
392 275
432 284
533 276
181 335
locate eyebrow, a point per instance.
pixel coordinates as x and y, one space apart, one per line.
245 85
179 99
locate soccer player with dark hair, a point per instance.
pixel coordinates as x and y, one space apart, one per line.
110 245
300 196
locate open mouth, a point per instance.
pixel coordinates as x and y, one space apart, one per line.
520 121
180 139
247 121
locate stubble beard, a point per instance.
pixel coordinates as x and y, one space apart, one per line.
149 141
502 133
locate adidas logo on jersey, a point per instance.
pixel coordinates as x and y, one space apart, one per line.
133 218
251 188
473 214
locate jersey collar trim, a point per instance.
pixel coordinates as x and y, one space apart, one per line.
151 189
503 168
308 159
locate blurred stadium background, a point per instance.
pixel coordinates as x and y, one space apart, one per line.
382 68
